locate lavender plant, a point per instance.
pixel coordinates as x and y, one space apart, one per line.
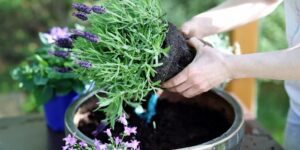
124 141
123 61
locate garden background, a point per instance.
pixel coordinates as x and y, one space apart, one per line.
22 20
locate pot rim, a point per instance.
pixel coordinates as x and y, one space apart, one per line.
236 131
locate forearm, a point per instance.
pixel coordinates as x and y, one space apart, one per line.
233 13
280 65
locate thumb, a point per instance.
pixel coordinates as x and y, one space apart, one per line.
197 44
186 30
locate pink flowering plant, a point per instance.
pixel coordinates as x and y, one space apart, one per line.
123 141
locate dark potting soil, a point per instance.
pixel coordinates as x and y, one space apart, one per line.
178 125
179 56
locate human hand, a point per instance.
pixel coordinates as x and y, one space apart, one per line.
198 27
208 70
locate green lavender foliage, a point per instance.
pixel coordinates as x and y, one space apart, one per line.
132 33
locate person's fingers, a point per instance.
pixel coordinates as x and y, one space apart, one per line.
186 30
177 80
194 91
197 44
191 92
159 92
181 88
190 29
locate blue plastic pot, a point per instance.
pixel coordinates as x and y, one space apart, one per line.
55 110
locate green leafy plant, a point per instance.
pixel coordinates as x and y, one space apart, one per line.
43 75
124 61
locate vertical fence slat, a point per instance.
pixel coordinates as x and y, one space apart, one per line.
245 89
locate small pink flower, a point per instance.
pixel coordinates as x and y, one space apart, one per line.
83 144
118 140
70 140
128 130
65 147
123 120
97 142
99 146
108 132
133 144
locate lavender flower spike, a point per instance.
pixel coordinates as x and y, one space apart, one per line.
84 64
80 16
64 42
63 69
60 53
89 36
82 8
99 9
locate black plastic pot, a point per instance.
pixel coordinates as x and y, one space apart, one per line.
179 56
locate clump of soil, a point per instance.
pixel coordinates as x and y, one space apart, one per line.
178 125
179 56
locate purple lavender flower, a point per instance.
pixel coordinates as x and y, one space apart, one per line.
64 42
123 120
63 69
89 36
60 53
80 16
83 144
82 8
78 33
99 9
70 140
133 144
73 36
128 131
108 132
84 64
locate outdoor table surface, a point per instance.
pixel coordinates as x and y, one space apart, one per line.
31 133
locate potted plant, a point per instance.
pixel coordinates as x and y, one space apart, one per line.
127 48
47 77
209 121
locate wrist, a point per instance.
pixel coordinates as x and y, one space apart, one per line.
232 64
